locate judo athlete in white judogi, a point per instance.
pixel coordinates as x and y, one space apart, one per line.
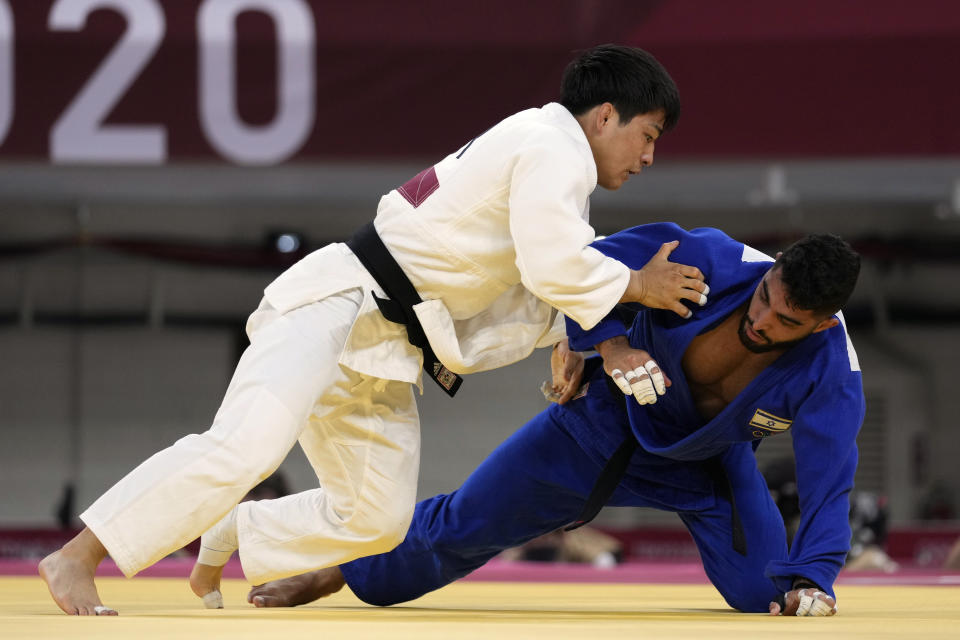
484 254
769 355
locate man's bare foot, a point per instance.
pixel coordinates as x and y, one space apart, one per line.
69 575
297 590
217 544
205 582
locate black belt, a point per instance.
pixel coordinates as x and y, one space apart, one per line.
615 468
613 472
720 477
402 296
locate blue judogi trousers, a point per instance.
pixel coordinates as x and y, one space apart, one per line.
538 481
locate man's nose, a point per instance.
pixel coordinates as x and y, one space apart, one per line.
762 321
646 159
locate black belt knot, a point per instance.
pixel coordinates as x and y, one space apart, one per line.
398 306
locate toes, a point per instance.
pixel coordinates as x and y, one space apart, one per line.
96 610
267 601
213 600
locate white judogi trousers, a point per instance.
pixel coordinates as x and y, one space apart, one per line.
361 435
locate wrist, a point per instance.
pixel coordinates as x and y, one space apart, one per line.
641 286
604 348
799 582
636 287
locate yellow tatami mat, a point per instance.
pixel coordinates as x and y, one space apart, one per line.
165 608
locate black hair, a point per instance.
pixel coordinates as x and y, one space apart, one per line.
819 273
628 78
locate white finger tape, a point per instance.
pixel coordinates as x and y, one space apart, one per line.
820 608
643 390
546 388
99 610
647 399
657 376
805 602
617 376
630 375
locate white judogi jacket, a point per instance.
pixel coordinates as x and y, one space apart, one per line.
494 238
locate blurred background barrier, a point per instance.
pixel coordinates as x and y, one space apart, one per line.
161 162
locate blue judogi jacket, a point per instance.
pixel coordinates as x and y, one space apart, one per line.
814 391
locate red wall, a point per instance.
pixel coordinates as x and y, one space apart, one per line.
416 79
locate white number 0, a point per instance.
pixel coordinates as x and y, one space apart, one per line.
6 69
79 135
233 138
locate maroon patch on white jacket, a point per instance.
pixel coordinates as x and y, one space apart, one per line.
419 187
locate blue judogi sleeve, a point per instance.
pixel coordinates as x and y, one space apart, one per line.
824 442
706 248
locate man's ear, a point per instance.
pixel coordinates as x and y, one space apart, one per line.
829 323
606 114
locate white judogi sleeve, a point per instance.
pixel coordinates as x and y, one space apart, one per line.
495 238
548 202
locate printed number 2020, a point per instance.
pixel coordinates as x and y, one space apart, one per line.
80 133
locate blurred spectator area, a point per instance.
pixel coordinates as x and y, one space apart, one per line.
127 269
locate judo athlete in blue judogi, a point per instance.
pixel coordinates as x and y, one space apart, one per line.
766 355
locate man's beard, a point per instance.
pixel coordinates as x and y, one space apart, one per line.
760 347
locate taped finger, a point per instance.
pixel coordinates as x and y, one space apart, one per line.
657 376
548 393
643 388
806 601
621 382
820 608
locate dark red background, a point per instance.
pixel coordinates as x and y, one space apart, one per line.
415 79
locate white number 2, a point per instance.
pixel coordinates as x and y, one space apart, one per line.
228 133
79 135
6 69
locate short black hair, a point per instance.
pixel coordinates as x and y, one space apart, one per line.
627 77
819 273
